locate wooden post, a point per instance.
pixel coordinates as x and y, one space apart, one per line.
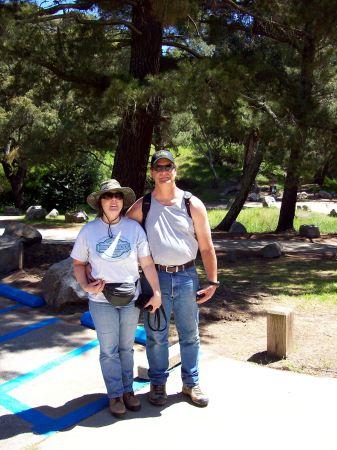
280 331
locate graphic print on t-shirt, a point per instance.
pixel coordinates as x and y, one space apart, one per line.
114 247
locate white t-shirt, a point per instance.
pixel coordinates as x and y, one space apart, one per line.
113 259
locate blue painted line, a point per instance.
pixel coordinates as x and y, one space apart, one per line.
21 296
28 329
42 424
9 308
72 418
31 415
25 378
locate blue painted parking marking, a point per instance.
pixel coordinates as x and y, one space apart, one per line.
9 308
41 423
28 329
25 378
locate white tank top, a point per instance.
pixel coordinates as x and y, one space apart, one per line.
170 233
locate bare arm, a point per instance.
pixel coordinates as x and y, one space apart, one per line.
151 275
207 252
92 287
135 211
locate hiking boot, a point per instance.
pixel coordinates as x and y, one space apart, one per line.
157 395
117 407
131 402
196 395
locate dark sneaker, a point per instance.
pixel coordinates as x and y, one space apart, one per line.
195 394
117 407
157 395
131 402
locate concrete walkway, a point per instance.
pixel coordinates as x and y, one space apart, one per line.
52 397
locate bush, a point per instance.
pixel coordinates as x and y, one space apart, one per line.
62 187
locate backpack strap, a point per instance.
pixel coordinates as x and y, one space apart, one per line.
146 208
146 205
187 197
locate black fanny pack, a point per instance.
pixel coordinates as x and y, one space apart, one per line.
119 294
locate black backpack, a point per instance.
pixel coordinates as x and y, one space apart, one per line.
147 204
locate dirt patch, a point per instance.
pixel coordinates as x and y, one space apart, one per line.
233 323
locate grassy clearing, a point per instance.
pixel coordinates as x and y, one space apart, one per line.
302 280
264 220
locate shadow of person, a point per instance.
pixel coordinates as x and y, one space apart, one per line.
89 410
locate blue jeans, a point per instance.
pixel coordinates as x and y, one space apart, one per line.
116 329
178 295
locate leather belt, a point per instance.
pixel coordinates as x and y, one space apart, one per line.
173 269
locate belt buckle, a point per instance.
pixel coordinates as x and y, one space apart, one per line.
173 271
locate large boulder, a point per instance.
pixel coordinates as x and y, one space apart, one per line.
11 254
26 233
60 287
76 217
309 231
36 213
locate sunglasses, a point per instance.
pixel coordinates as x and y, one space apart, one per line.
110 195
164 168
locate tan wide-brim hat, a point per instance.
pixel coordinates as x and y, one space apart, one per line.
129 196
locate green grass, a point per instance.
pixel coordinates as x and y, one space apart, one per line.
264 220
302 280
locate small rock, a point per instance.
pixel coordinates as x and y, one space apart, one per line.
237 227
76 217
268 202
309 231
53 213
36 212
273 250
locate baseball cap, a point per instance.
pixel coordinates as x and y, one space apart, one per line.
162 154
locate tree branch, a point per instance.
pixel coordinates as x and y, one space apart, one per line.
266 108
182 47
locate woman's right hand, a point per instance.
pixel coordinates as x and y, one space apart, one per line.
94 287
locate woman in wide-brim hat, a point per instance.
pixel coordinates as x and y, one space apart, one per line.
114 245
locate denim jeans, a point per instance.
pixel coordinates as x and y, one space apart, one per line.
178 295
116 329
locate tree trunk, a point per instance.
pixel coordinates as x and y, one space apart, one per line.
133 148
322 172
303 112
16 177
288 206
246 183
